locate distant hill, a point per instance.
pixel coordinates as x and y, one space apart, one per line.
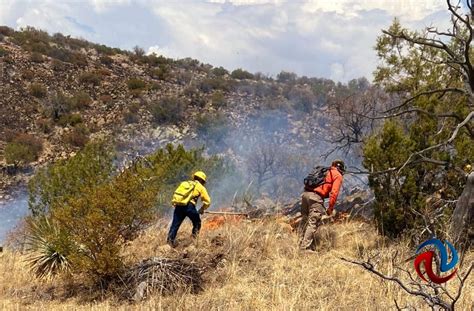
58 92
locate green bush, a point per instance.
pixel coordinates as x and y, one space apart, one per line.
163 72
70 119
286 77
84 211
23 149
57 65
54 185
38 90
78 59
81 100
78 137
90 77
241 74
184 77
219 71
60 105
106 60
60 54
168 110
218 99
212 127
136 84
6 31
207 85
3 52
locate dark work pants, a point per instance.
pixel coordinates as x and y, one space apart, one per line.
180 213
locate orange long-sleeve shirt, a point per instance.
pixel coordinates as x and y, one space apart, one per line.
330 188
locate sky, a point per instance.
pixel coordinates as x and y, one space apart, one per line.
326 38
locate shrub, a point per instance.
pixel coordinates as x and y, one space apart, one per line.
60 54
155 86
219 71
106 60
155 60
70 119
136 84
163 72
60 105
106 99
218 99
81 100
57 65
36 57
27 74
241 74
6 31
23 149
38 90
188 63
1 37
213 127
102 49
44 125
131 117
218 83
3 52
78 59
184 77
285 77
168 110
54 185
87 212
90 77
303 98
78 137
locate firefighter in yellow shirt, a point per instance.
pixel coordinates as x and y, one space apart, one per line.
185 201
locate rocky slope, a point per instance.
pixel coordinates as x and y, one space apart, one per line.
64 91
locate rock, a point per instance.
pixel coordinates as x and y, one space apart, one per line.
140 291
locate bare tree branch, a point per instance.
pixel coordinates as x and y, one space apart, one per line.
417 289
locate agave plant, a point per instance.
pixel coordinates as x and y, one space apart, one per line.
48 248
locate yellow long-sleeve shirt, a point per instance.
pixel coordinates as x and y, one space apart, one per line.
201 192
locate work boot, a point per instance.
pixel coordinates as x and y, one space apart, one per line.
173 244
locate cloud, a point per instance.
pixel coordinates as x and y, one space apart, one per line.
315 38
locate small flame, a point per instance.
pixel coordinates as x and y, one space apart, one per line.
216 222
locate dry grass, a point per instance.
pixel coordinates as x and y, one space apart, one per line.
250 266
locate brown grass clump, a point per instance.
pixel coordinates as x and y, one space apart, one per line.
246 265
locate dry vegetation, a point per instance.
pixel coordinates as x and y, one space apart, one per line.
248 266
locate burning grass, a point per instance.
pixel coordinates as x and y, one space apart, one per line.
250 265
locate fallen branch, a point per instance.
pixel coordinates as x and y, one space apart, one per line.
433 300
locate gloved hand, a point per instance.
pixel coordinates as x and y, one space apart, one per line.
201 211
329 211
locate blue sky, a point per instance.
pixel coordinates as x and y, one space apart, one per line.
331 39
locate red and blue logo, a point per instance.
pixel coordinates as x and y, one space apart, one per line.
426 258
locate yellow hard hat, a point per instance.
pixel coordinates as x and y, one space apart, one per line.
200 175
468 168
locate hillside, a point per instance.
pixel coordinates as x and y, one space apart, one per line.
254 265
60 92
103 137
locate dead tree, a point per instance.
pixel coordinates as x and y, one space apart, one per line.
263 163
462 225
353 125
434 295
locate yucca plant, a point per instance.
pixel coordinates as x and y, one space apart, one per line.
48 247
